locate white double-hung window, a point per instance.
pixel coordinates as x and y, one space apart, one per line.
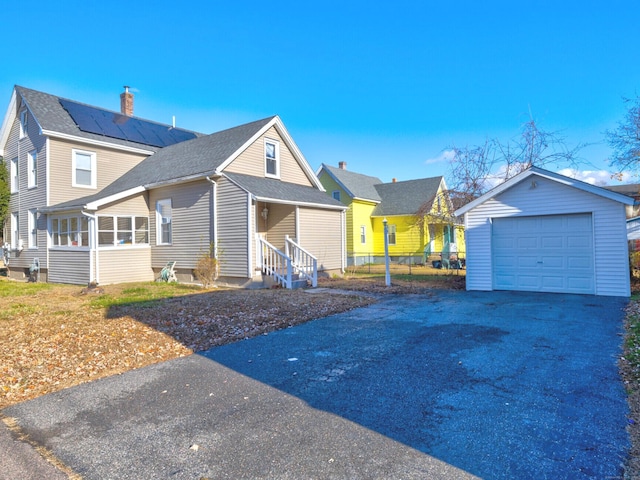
271 158
33 228
15 178
83 169
32 174
164 221
24 118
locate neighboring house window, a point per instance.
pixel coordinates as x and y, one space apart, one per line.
33 229
363 234
272 158
392 234
15 179
336 195
119 230
84 169
163 222
70 231
15 230
24 118
32 180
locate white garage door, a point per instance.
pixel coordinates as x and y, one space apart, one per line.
552 253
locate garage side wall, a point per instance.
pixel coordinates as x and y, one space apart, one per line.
548 197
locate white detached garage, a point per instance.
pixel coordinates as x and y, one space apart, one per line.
544 232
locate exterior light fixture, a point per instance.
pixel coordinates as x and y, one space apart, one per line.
265 213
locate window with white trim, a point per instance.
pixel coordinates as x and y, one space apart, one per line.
163 222
33 228
15 178
363 234
24 119
70 231
391 233
32 165
15 230
118 230
83 166
271 158
336 195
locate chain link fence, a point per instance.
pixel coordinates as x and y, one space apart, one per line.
411 263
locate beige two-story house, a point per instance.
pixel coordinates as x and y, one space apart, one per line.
105 197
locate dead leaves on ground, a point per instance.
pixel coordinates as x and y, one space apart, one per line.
56 339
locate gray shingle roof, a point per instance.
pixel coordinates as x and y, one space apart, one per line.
53 117
269 188
406 198
194 158
357 185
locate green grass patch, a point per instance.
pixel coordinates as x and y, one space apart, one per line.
10 288
142 294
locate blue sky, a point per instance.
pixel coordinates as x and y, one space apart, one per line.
386 87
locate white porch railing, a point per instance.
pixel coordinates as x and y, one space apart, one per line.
296 263
304 264
274 263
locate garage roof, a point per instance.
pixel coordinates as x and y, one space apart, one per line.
587 187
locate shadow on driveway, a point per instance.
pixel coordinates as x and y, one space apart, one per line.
495 385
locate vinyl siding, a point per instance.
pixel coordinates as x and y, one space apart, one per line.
27 198
110 163
137 205
119 265
321 235
550 198
252 161
191 212
409 237
69 266
360 214
233 238
281 221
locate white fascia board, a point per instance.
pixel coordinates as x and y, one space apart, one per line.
244 146
300 204
556 177
302 161
297 154
97 143
9 115
375 202
114 198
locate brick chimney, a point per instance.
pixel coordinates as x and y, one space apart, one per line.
126 102
393 180
342 165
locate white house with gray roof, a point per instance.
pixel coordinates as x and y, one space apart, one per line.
106 197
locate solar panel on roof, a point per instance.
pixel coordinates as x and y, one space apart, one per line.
114 125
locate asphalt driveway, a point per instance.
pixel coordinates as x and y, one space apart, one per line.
450 385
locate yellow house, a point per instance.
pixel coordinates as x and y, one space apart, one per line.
419 217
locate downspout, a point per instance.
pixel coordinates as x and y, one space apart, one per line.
214 210
250 238
343 241
93 242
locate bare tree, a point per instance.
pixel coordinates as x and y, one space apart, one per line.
475 170
625 139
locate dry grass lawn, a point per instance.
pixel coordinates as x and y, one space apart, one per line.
53 336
